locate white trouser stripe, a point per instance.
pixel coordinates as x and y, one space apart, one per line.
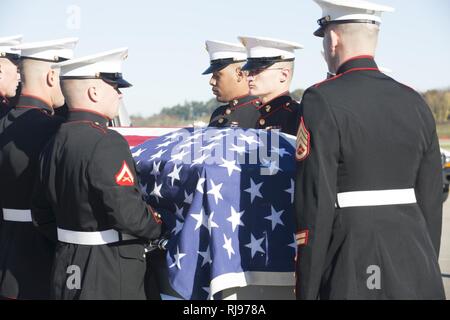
91 238
17 215
375 198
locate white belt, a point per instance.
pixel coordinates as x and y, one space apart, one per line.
17 215
375 198
92 238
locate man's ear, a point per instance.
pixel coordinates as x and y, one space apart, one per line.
93 94
284 75
239 74
334 42
52 78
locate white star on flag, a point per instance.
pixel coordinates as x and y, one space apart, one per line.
230 165
200 217
209 147
157 155
271 165
239 149
173 136
200 160
211 224
165 144
194 136
293 244
200 183
235 218
138 152
215 191
179 212
206 255
188 197
178 227
275 217
291 190
218 137
255 245
178 258
254 190
155 172
178 156
175 174
228 246
143 188
156 192
249 139
280 152
186 144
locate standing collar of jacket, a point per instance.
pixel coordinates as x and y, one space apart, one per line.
33 102
79 114
358 63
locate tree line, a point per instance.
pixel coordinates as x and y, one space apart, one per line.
191 111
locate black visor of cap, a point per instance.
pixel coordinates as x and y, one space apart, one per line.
262 63
56 59
326 21
13 57
113 78
219 64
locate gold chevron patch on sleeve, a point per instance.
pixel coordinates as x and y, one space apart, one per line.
303 142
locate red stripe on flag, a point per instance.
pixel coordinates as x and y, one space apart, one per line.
136 140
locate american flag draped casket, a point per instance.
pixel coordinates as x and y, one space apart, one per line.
226 198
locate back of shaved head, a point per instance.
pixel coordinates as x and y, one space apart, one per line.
358 36
34 72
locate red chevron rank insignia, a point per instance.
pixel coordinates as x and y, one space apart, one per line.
124 177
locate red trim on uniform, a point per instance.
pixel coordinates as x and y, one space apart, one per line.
283 106
364 56
244 104
92 124
90 111
156 216
285 93
37 98
32 107
341 74
240 97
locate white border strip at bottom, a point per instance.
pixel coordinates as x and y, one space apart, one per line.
242 279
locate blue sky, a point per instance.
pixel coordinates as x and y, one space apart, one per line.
166 39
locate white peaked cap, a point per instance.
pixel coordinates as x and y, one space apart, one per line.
7 44
106 65
263 52
222 54
225 50
349 11
259 47
54 50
